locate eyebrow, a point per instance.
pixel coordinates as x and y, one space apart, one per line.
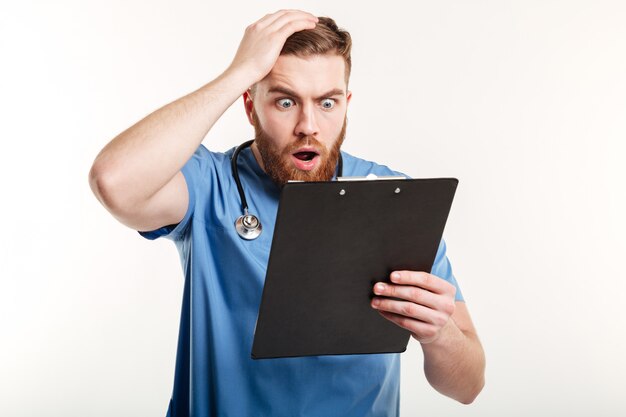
289 92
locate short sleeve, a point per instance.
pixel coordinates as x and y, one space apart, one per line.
192 171
443 269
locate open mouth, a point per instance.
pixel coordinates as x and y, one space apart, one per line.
305 156
305 159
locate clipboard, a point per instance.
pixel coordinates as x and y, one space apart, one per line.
334 240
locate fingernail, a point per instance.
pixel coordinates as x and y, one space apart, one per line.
395 276
375 302
380 287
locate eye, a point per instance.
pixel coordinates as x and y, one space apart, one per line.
285 103
328 103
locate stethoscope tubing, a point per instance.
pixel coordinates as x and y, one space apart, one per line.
248 225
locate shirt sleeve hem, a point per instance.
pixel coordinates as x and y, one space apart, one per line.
175 231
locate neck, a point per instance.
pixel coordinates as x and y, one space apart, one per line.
257 156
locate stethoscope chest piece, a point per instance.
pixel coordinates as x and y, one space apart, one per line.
248 226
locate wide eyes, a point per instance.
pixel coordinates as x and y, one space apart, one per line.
287 103
328 103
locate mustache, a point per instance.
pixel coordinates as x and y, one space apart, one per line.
305 141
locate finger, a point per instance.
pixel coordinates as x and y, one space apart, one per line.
294 26
291 19
267 20
423 332
424 280
270 18
411 310
440 302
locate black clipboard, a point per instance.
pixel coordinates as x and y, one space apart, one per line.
332 241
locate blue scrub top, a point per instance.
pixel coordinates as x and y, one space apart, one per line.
224 275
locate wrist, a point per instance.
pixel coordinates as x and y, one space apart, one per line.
447 332
240 76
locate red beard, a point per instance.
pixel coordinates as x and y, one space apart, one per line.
277 162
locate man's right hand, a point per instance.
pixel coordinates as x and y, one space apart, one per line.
263 40
145 195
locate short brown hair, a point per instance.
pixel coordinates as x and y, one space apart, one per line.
325 38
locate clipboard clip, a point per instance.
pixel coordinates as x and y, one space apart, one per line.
372 177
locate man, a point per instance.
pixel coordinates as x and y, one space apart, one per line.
292 70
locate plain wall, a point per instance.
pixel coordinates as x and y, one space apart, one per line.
523 101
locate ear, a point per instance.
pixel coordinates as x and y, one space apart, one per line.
248 105
348 97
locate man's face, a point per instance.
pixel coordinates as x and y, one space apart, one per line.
299 115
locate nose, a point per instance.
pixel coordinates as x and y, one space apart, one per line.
307 123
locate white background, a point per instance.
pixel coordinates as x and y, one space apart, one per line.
523 101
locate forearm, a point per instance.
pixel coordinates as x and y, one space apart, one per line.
142 159
454 364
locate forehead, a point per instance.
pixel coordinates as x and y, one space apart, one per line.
308 76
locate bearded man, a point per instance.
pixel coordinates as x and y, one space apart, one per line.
292 70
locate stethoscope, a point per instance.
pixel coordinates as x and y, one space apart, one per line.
248 225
